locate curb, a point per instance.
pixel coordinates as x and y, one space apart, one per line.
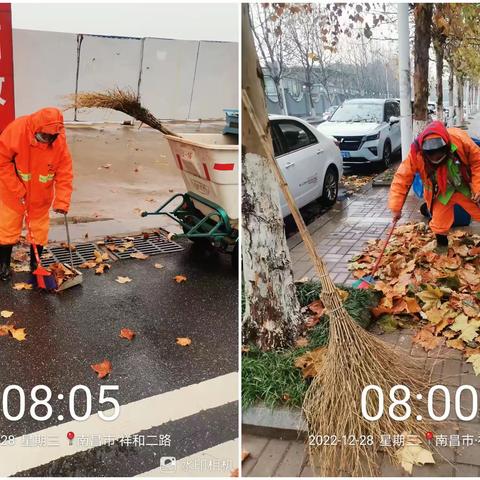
280 422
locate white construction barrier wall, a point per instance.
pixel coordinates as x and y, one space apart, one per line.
176 79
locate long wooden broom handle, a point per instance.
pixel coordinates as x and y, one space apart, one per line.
324 277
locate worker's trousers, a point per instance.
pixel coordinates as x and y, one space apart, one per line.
11 222
443 215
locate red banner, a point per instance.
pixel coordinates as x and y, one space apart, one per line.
7 103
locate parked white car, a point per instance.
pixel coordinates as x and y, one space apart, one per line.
309 160
367 129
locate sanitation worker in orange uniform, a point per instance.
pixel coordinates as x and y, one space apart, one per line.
448 162
35 171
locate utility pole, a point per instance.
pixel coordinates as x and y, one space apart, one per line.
406 127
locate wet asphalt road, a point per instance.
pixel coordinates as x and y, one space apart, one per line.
68 332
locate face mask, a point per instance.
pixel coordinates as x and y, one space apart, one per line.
46 137
438 161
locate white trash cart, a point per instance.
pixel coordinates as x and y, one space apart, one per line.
208 212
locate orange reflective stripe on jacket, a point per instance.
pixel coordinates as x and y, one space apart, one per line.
42 173
468 153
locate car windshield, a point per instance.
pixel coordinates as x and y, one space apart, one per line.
359 112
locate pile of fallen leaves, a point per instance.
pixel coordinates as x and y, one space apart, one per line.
353 183
439 294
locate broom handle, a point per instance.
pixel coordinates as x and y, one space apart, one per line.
30 237
325 279
68 240
377 263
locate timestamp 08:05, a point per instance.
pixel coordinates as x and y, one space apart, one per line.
465 403
80 403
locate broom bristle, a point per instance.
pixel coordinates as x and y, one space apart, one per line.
355 359
125 101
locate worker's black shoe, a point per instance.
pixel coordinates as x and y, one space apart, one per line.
5 259
442 244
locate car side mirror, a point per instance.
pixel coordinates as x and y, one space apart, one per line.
393 120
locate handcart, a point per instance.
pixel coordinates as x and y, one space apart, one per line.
208 212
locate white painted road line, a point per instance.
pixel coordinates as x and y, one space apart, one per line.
134 417
217 461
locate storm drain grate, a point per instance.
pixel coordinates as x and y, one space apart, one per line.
153 245
83 253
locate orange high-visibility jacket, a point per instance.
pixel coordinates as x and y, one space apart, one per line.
468 153
41 173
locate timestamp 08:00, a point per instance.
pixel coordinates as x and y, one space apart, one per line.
14 403
465 403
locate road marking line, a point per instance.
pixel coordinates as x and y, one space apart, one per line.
224 452
134 417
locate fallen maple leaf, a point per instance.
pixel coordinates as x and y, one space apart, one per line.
310 362
180 278
88 264
456 343
127 333
410 455
22 286
467 327
475 361
18 333
158 265
183 341
4 330
427 339
6 313
70 247
317 307
102 369
100 257
139 256
101 268
120 279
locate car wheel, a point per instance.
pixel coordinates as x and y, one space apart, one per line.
330 187
387 154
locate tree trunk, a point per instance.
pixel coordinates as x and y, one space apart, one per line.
272 315
439 70
423 33
451 106
461 116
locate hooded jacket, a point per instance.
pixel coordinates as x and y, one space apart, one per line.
39 172
466 151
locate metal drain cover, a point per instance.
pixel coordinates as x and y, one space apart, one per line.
155 244
83 252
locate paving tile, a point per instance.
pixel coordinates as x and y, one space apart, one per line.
469 454
270 458
293 461
466 470
254 445
435 470
451 374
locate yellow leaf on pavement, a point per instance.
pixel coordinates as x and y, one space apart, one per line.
475 361
22 286
139 256
123 279
410 455
180 278
158 265
183 341
18 333
6 313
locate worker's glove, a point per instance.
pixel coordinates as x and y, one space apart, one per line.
476 197
396 215
59 210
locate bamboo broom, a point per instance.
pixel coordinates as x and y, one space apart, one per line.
125 101
354 359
